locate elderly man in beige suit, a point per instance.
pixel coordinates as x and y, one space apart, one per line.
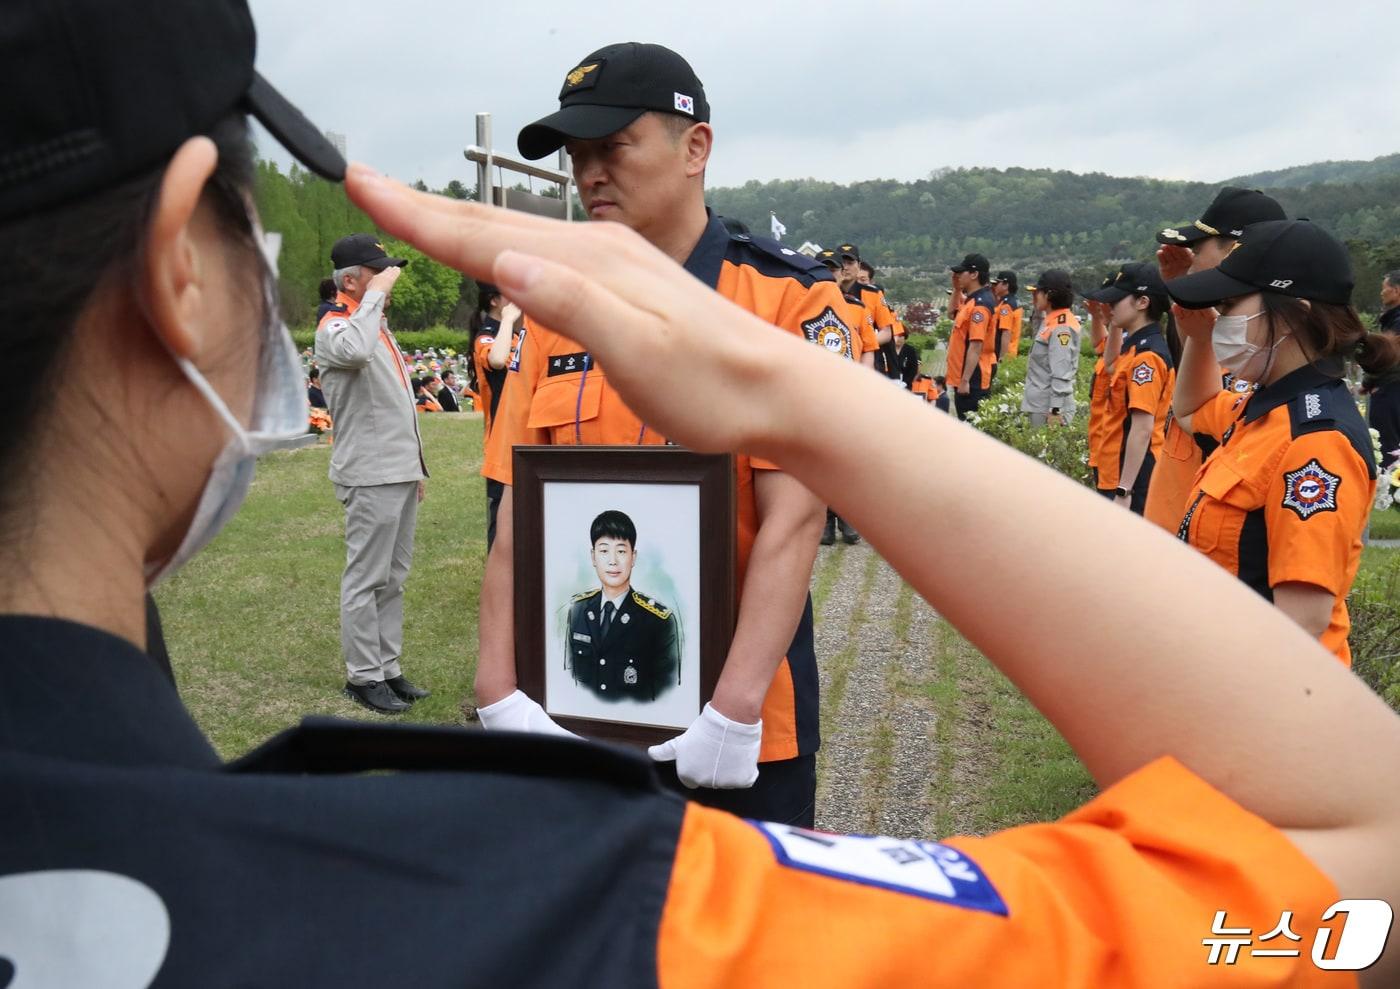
377 468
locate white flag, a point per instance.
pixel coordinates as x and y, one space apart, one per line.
778 228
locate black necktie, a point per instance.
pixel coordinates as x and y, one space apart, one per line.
607 617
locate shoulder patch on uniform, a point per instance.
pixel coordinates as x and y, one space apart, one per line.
925 869
1065 336
1310 489
586 595
978 316
828 331
1143 374
650 604
1061 320
485 338
335 325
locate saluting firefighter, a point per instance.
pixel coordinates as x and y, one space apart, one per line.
1187 249
1138 385
621 643
1053 362
1283 501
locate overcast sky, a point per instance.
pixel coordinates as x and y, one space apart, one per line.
878 89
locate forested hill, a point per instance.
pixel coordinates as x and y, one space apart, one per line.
1321 171
1029 218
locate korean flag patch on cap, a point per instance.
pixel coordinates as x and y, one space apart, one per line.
1310 489
685 104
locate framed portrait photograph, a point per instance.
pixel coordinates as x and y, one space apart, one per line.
625 589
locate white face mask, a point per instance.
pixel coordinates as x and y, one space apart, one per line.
278 422
1234 352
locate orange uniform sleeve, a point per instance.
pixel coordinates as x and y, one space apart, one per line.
1148 381
804 303
1319 498
1122 893
982 326
509 428
868 341
1215 418
884 315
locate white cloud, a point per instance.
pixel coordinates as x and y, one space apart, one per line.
887 88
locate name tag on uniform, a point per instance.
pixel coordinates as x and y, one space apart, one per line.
567 364
580 637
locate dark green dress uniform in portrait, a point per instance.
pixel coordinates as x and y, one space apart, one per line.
631 650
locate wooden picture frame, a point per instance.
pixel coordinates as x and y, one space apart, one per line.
681 506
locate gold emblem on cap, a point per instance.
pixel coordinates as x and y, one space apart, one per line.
578 75
1206 228
379 245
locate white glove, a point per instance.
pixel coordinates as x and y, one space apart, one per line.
519 713
714 752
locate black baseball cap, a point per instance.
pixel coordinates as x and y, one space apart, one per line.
849 251
1286 257
973 262
1233 210
362 249
1008 278
1051 280
1134 278
830 258
611 88
97 93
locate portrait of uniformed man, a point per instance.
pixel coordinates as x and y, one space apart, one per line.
620 642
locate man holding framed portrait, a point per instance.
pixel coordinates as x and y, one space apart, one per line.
635 121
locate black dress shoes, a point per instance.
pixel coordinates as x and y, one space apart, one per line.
376 696
404 690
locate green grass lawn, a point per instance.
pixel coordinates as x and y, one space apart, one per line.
1385 525
253 623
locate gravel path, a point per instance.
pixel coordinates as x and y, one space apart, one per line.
875 641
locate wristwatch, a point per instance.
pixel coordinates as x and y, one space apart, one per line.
1122 492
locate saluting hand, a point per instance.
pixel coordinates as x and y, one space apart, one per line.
1173 261
384 280
1194 323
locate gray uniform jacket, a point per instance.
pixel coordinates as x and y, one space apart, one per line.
1052 365
371 405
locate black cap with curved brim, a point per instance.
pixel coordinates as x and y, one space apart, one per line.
363 249
1007 278
973 262
97 93
830 258
849 251
1286 257
1050 281
1229 214
610 89
1134 278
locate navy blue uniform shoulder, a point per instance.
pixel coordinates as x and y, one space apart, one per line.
1332 407
774 260
984 296
1157 344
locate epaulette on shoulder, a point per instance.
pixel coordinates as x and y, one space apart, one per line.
649 604
773 258
985 297
586 595
1311 412
1330 408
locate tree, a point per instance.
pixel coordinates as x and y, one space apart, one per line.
426 292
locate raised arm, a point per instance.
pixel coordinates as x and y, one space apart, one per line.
1237 688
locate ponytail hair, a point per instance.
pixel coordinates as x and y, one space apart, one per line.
1378 353
1328 330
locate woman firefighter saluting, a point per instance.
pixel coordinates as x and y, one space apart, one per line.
1284 500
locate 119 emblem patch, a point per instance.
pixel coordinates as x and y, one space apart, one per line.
1310 489
829 332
